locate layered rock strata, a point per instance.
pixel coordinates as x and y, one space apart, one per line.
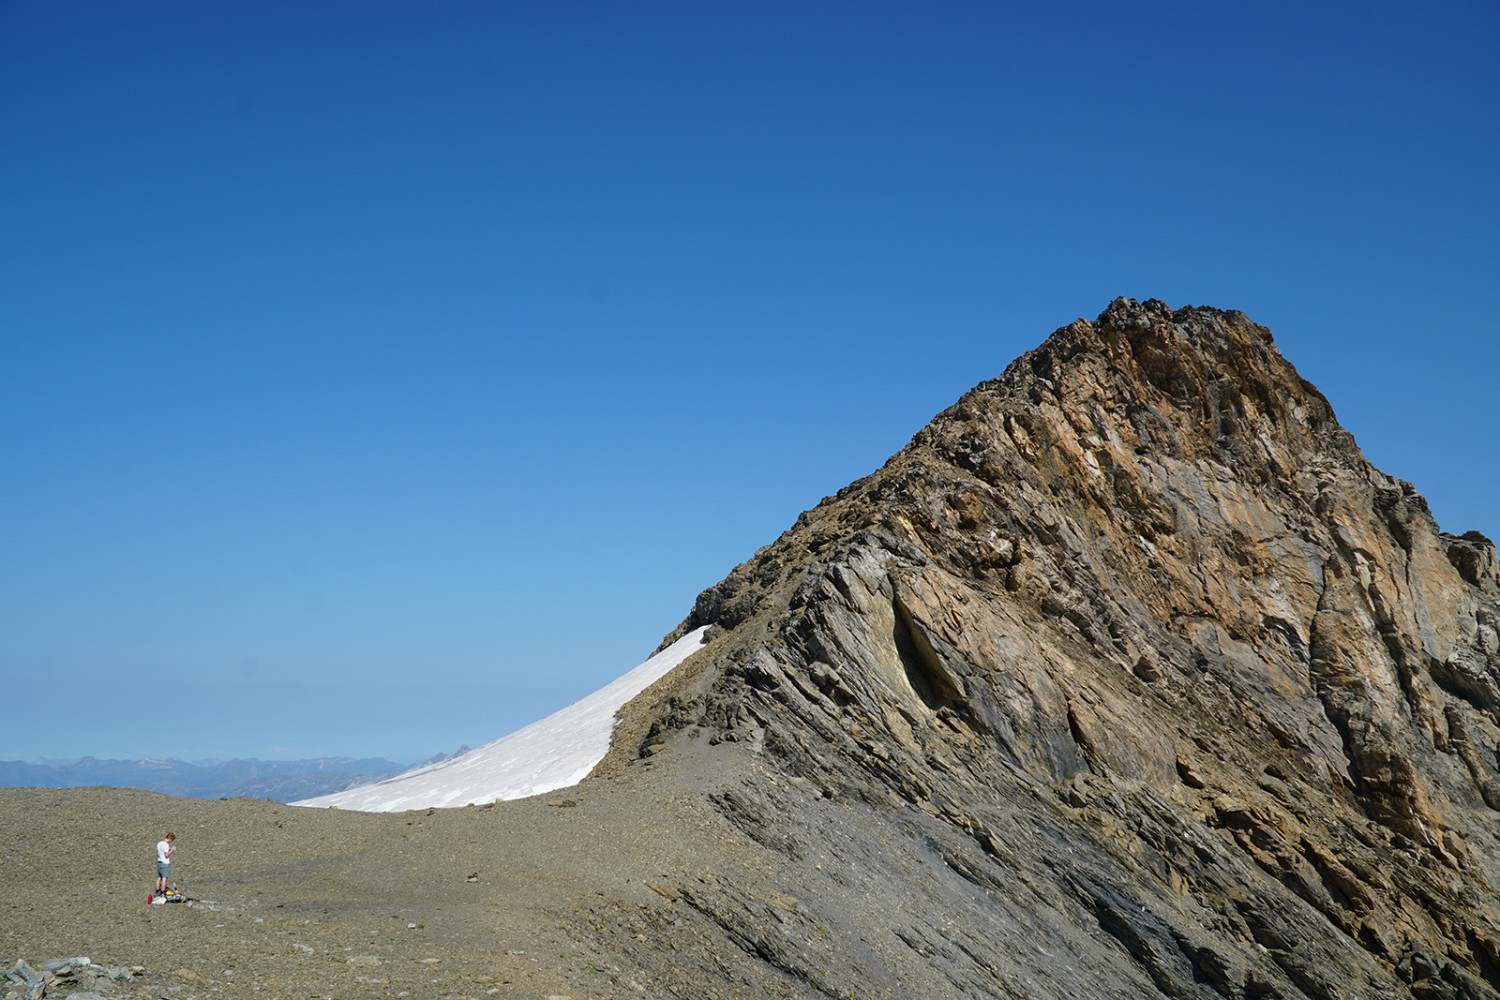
1130 676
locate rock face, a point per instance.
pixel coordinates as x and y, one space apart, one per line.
1128 677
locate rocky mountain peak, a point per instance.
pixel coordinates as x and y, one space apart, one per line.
1134 626
1128 677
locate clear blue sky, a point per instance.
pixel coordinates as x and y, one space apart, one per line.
380 377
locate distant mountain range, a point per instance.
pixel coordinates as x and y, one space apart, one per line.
282 780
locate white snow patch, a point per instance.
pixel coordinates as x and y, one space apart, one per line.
557 752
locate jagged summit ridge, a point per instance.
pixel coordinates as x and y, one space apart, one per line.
1140 382
1141 598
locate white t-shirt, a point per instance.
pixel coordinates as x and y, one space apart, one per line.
163 848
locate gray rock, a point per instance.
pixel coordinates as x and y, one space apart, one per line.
31 980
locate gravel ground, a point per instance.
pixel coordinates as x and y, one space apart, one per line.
546 897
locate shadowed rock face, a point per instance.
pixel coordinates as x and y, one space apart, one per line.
1129 676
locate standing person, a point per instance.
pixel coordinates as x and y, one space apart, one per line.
164 849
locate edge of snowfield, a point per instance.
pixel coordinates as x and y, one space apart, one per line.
556 752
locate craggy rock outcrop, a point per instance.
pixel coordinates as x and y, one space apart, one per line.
1128 677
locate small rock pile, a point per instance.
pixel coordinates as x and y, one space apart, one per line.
78 978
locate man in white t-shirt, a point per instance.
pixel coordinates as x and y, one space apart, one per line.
164 849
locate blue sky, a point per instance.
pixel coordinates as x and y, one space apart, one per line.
380 377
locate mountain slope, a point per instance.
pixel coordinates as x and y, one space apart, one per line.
1129 676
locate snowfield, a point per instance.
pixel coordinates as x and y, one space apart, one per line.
557 752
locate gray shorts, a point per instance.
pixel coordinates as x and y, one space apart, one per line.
163 869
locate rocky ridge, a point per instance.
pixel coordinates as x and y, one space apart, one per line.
1135 677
